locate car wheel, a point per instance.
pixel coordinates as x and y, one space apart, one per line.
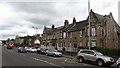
54 55
46 54
18 51
118 65
80 60
100 63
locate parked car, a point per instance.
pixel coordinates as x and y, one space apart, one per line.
10 46
42 50
27 48
22 50
53 52
118 63
32 50
95 56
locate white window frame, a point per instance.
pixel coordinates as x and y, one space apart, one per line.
80 44
61 34
88 43
81 33
70 46
93 30
93 44
70 34
29 39
88 32
64 34
48 37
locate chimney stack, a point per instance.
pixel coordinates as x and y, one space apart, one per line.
53 27
66 22
74 20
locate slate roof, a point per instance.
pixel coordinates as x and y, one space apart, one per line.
48 31
78 26
99 17
67 27
59 28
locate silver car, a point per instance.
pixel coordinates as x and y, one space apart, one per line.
53 52
93 55
118 63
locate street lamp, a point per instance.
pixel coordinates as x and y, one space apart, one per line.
36 28
36 41
89 24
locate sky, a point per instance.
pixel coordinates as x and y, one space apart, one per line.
17 17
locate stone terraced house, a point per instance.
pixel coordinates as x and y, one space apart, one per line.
105 32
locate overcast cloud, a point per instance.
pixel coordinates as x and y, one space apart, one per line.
17 18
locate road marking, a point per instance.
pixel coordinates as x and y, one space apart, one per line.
47 62
56 58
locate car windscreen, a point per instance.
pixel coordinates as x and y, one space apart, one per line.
53 50
10 44
98 53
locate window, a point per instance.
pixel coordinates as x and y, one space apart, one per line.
88 32
93 44
87 43
45 38
29 39
64 35
104 32
70 34
80 44
81 33
93 32
48 37
64 44
90 52
84 51
61 35
54 36
61 44
70 46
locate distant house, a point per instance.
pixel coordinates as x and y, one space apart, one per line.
30 40
105 32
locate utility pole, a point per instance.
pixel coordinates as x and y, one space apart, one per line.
89 42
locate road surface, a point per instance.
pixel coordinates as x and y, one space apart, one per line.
11 58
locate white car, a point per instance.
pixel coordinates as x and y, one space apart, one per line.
118 63
32 49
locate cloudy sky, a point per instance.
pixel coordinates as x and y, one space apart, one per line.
18 17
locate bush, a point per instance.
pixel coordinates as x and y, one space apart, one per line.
108 51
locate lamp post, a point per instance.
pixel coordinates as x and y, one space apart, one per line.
36 28
36 42
89 24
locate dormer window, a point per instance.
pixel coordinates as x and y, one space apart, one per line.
64 34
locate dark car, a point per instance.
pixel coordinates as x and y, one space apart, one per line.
41 50
22 50
53 52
